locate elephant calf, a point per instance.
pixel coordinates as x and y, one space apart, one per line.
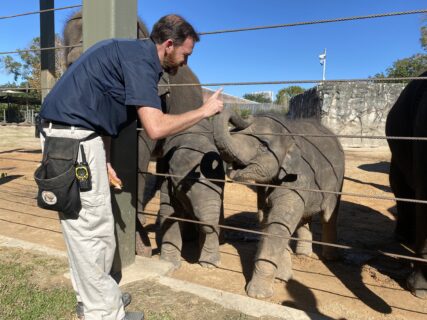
189 157
259 152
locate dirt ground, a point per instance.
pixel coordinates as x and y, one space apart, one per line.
363 284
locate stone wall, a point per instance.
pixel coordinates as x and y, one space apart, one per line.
352 108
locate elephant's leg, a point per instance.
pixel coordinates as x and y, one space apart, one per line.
170 232
283 218
304 233
405 220
329 233
261 204
145 147
284 270
417 281
207 205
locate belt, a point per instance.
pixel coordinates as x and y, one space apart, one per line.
55 125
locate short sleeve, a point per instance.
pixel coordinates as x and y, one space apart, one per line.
141 77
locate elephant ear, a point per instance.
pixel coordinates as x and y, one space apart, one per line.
292 162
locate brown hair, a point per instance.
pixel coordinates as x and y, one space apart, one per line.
173 27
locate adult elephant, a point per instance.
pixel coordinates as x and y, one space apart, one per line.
261 150
408 174
191 154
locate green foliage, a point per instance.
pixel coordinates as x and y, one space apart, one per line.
285 94
424 37
257 97
24 67
408 67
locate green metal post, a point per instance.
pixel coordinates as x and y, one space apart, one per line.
47 40
104 19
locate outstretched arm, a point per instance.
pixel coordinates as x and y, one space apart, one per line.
159 125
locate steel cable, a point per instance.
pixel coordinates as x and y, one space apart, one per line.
40 11
334 245
390 14
289 134
350 194
295 24
395 79
41 49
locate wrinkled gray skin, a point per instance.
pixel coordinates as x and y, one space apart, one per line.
408 175
310 163
188 154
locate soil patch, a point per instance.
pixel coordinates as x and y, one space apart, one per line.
362 285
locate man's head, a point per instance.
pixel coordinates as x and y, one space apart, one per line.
177 37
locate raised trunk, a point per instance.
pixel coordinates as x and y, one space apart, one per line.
230 147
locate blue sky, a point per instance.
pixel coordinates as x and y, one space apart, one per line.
355 49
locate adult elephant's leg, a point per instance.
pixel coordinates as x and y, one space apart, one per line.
145 148
417 281
405 219
170 232
283 218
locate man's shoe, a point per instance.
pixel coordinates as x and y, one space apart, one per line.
134 316
126 298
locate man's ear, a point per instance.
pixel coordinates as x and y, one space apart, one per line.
169 44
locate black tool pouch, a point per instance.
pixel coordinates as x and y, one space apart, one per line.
56 178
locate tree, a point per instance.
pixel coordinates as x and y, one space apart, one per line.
285 94
423 38
408 67
412 66
26 69
257 97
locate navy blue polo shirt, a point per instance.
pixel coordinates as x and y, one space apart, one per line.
96 92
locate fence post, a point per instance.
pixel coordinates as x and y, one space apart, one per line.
47 40
104 19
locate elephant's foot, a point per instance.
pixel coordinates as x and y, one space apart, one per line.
171 254
260 287
261 284
304 248
210 260
414 281
284 270
209 256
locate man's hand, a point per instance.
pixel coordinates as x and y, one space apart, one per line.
112 177
213 105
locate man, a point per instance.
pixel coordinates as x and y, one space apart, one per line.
110 85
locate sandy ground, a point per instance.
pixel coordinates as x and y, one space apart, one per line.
362 285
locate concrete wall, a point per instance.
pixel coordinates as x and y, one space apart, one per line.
352 108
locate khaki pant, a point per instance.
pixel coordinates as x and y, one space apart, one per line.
90 239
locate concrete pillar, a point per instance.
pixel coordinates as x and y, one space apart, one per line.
104 19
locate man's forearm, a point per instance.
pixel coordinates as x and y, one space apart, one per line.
160 125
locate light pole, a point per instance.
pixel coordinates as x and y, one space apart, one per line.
322 59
